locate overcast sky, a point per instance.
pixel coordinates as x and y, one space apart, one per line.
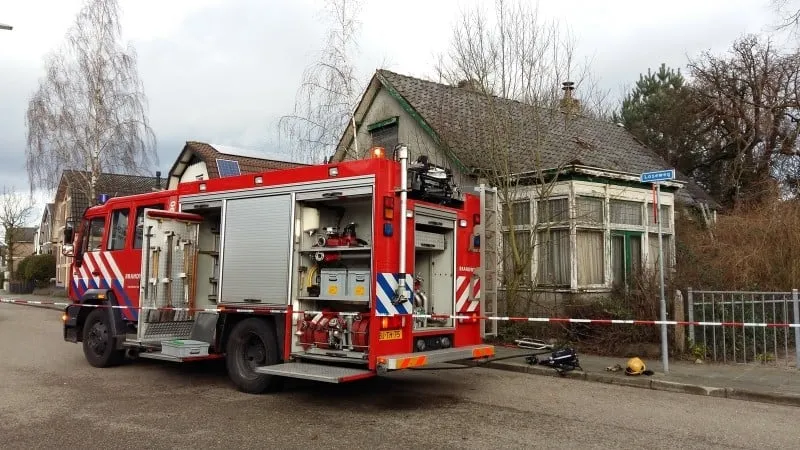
225 71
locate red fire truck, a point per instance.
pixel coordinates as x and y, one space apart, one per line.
334 272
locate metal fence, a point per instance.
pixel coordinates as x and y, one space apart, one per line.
745 327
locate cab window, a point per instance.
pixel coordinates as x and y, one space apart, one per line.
137 238
119 229
95 235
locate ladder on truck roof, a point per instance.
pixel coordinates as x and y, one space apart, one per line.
487 230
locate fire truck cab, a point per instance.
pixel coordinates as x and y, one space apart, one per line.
334 272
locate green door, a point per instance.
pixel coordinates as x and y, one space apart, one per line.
626 256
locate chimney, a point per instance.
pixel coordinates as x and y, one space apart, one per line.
470 85
568 102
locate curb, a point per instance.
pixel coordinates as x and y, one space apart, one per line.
786 399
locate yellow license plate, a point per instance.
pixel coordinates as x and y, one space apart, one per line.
390 335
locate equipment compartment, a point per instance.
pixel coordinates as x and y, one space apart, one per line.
333 273
434 269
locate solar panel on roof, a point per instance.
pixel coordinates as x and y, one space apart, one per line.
228 168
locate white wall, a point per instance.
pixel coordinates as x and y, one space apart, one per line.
192 171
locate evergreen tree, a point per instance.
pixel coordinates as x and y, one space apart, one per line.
658 111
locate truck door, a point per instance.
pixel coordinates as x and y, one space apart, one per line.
96 267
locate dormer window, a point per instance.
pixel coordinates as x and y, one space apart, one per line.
384 133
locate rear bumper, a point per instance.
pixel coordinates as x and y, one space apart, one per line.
419 359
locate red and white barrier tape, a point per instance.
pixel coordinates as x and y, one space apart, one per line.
425 316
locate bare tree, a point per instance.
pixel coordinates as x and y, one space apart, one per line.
15 213
750 120
329 89
89 111
518 65
788 12
519 56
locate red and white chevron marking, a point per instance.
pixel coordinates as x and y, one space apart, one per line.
462 294
102 262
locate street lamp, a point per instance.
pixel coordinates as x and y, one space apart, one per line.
5 27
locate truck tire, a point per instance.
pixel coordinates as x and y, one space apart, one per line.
98 340
252 343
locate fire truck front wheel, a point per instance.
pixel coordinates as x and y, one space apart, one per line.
98 340
251 344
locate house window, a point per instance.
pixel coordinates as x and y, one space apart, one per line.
384 133
553 252
553 210
626 212
589 210
518 214
666 220
119 229
590 240
517 257
590 254
652 249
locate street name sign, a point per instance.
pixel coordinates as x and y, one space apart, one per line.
658 175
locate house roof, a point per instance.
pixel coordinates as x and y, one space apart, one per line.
249 162
113 184
25 234
471 126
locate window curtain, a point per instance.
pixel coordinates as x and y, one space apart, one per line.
652 249
590 257
554 257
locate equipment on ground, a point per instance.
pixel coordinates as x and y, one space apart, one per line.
256 269
562 360
636 366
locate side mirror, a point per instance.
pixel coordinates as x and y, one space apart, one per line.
69 235
68 250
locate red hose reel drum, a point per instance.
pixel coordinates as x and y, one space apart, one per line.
320 329
305 329
360 333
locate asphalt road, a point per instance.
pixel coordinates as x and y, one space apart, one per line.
51 398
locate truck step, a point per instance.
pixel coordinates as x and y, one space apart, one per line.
164 357
316 372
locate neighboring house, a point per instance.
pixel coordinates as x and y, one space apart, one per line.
24 244
592 227
201 161
44 237
71 201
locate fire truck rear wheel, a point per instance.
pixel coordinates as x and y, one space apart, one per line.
98 340
252 343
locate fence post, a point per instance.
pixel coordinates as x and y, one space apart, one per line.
679 315
796 321
690 306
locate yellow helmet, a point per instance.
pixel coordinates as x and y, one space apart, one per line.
635 367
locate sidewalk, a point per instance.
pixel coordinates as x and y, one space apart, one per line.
753 382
